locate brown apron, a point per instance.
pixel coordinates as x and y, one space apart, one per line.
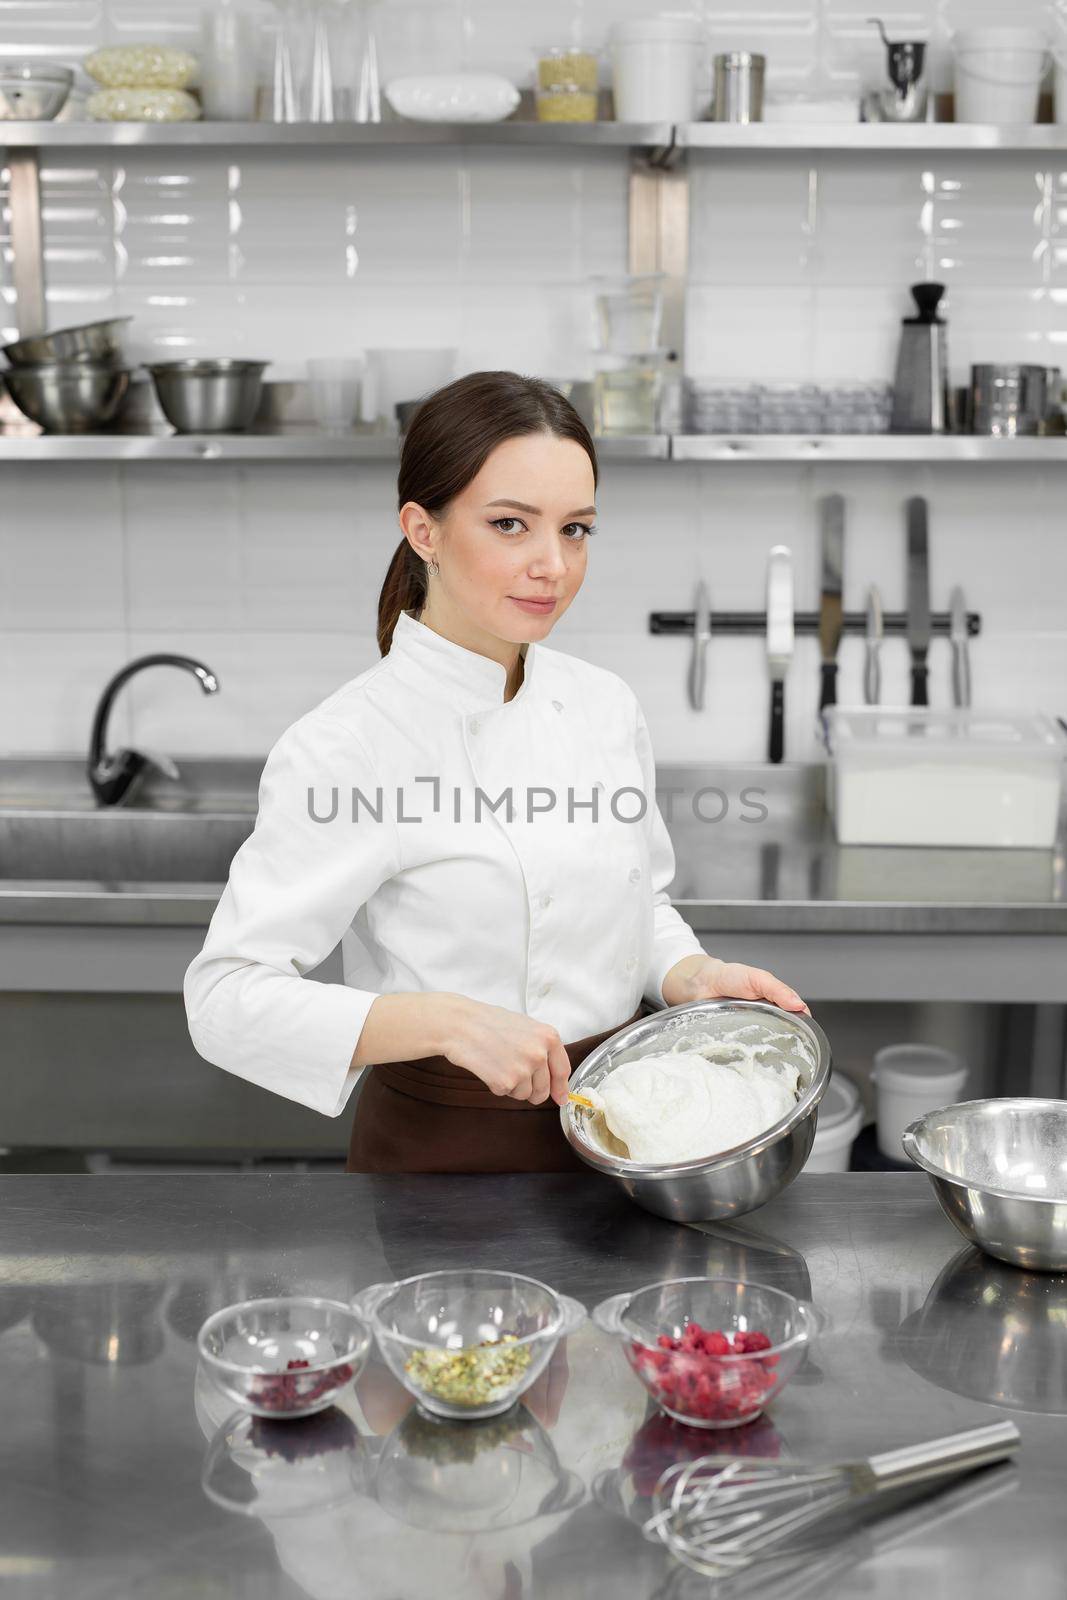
431 1116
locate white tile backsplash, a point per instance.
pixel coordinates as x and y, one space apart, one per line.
799 270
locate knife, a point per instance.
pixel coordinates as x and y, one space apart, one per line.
833 556
961 661
779 641
701 635
918 599
872 665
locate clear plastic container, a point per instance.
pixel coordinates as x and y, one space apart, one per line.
626 393
629 312
913 775
566 102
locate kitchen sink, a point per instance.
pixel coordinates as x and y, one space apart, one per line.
119 847
182 831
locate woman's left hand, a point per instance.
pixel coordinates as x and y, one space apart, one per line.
708 978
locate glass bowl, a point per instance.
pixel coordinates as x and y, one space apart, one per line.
285 1357
467 1343
707 1383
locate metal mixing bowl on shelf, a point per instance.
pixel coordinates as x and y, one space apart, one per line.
999 1170
68 396
209 396
86 341
730 1182
33 91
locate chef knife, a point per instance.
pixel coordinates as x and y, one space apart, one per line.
918 599
701 635
872 664
779 641
833 555
961 663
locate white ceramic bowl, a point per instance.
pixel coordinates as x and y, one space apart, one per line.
453 97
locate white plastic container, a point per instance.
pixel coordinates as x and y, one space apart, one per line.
919 776
840 1120
655 63
998 74
912 1079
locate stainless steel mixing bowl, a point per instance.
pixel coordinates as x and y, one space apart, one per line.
68 397
999 1171
200 396
33 91
87 341
734 1181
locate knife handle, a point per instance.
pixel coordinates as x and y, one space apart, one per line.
828 686
919 674
776 742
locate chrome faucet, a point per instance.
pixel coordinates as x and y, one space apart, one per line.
114 778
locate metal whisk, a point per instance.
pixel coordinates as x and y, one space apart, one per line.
727 1513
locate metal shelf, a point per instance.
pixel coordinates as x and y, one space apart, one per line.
757 137
871 447
288 444
917 137
327 135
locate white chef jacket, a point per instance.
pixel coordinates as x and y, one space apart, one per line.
446 838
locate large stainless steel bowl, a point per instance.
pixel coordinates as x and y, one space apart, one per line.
999 1171
734 1181
68 397
33 91
87 341
200 396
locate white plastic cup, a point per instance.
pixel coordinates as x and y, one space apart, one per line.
840 1119
655 63
998 74
229 62
335 390
911 1080
394 376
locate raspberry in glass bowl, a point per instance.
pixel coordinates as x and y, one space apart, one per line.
712 1352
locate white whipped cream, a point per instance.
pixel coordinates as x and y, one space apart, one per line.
681 1105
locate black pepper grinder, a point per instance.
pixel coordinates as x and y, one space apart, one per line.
920 389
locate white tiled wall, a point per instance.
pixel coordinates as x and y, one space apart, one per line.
270 573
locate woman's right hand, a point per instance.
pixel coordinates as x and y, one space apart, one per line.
513 1055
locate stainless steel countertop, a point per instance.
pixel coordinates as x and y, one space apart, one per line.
107 1429
784 873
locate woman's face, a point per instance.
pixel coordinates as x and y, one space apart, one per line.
518 531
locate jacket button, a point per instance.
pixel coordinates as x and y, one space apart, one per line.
545 987
546 899
631 962
474 724
635 873
558 705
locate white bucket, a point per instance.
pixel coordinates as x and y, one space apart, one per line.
840 1120
911 1080
998 74
655 62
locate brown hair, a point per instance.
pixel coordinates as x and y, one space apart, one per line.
447 443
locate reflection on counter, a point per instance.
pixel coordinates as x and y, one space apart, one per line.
992 1333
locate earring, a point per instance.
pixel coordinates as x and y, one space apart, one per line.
431 565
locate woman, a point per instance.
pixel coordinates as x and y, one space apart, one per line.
473 817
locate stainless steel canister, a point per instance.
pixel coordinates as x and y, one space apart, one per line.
1008 399
738 87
